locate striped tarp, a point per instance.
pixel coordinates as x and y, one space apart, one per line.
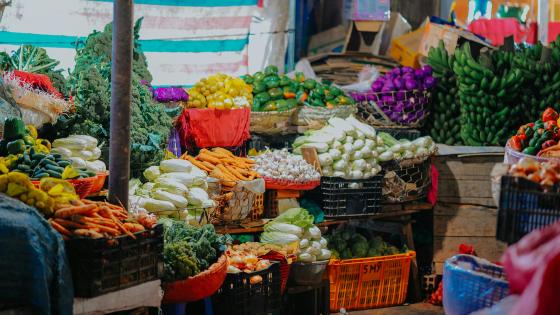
184 40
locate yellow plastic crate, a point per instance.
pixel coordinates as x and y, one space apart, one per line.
405 48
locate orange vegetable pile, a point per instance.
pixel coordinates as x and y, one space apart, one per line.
86 218
224 165
545 174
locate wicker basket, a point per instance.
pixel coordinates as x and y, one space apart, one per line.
271 123
236 205
83 186
198 287
403 109
406 180
317 117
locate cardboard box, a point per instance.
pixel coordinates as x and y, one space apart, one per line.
451 36
327 41
405 49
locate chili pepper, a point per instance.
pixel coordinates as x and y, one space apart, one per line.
549 114
550 125
548 144
516 143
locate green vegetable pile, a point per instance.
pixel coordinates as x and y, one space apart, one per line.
347 243
89 84
445 126
542 78
488 92
272 92
189 250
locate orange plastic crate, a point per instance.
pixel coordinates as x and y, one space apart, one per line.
365 283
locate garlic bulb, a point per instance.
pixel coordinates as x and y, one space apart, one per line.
281 164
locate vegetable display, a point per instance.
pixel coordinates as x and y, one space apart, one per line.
488 93
173 187
170 94
445 124
18 185
222 164
351 149
91 219
189 250
546 174
220 91
400 94
280 164
245 258
21 151
540 137
313 93
348 243
272 92
89 84
82 150
296 226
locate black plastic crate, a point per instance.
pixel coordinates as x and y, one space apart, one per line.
105 265
350 197
238 296
406 180
524 207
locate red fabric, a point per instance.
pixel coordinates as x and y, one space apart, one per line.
495 30
553 31
466 249
205 128
432 193
38 81
272 183
533 270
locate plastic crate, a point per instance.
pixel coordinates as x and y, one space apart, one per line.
405 48
258 207
406 180
471 283
365 283
109 264
524 207
238 296
351 197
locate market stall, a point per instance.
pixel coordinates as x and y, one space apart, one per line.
278 192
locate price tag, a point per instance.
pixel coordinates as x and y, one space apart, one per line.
371 271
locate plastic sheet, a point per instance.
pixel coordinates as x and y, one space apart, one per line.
533 268
37 275
471 283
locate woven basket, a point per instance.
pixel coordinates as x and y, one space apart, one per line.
234 206
389 110
83 186
198 287
271 123
406 180
317 117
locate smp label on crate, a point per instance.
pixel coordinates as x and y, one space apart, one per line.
371 271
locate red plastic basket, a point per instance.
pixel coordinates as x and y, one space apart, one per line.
83 186
285 265
198 287
99 183
273 183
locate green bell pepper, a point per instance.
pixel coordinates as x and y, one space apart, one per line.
271 70
258 87
262 97
275 93
309 84
285 80
16 147
272 81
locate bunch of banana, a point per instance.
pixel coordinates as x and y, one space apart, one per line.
444 127
542 87
488 93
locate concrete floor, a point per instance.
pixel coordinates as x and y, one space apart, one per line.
412 309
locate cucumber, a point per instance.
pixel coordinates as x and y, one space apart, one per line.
38 156
55 168
64 163
54 174
56 155
48 161
41 175
23 167
90 173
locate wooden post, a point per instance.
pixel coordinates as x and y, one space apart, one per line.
121 70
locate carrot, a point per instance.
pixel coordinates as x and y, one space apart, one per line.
105 229
88 233
119 224
198 164
208 158
62 230
227 172
70 211
134 227
69 224
234 171
102 221
76 202
224 151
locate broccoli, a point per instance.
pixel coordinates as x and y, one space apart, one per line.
373 252
179 261
90 86
359 238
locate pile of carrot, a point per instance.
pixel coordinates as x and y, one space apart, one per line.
93 219
223 165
